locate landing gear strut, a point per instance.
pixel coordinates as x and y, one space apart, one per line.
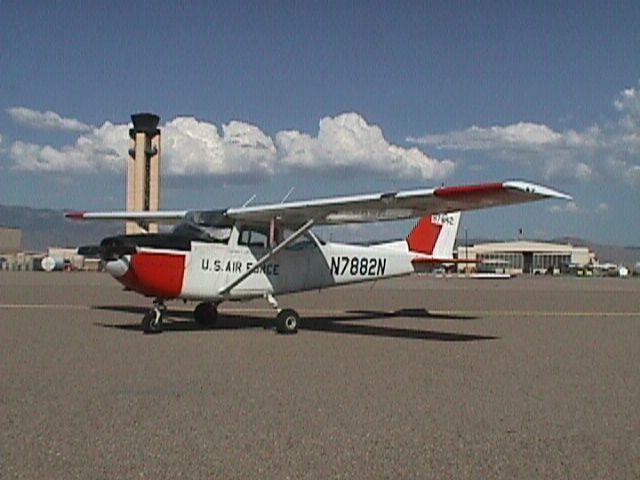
206 314
152 320
287 320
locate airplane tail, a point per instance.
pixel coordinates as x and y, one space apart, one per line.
435 235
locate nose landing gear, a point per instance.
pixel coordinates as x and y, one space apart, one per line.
152 320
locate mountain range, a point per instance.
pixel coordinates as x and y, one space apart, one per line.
43 228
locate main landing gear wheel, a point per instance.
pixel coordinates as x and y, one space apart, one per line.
152 321
287 321
206 314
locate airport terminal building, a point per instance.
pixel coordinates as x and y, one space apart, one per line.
523 256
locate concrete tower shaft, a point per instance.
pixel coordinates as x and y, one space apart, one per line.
143 169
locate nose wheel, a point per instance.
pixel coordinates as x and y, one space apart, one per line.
152 320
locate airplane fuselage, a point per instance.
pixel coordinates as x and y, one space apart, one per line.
201 272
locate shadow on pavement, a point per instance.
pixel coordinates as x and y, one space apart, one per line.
181 321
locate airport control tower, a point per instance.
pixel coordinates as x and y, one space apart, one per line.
143 169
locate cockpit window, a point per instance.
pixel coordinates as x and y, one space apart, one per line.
253 237
203 233
205 226
212 218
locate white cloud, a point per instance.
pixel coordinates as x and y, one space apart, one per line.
558 155
628 102
102 150
520 137
622 170
566 207
565 167
240 152
348 142
572 208
46 120
194 147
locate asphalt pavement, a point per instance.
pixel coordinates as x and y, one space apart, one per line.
417 377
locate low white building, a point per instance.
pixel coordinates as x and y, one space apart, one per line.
522 256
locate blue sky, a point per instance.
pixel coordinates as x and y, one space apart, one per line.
329 98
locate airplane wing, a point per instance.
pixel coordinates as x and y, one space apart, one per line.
396 205
166 216
365 208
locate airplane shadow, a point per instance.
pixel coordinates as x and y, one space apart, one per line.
413 313
182 321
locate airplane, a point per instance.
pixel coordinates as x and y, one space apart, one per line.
248 252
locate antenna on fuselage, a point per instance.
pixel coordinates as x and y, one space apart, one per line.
288 194
249 201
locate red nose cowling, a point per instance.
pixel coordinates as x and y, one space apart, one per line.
155 274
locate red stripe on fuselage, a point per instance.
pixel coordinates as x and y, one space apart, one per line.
155 274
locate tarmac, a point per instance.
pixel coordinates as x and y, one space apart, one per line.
418 377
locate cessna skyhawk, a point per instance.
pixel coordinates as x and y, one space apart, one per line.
212 256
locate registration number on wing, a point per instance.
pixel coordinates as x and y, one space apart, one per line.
358 266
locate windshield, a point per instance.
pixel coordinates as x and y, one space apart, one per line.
203 233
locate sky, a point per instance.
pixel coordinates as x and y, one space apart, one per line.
329 98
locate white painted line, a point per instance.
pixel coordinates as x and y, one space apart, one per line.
32 306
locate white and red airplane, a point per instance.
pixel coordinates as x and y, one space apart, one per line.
212 256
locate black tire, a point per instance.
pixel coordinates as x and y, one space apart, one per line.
152 321
287 321
206 314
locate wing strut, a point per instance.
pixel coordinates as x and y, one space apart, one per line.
287 241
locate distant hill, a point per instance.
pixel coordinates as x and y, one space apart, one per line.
607 253
47 228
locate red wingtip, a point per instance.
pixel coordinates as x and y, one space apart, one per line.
468 191
74 215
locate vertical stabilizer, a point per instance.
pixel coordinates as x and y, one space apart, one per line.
435 235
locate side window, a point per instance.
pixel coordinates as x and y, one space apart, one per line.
303 242
245 236
253 238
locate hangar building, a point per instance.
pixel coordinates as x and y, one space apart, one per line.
524 256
